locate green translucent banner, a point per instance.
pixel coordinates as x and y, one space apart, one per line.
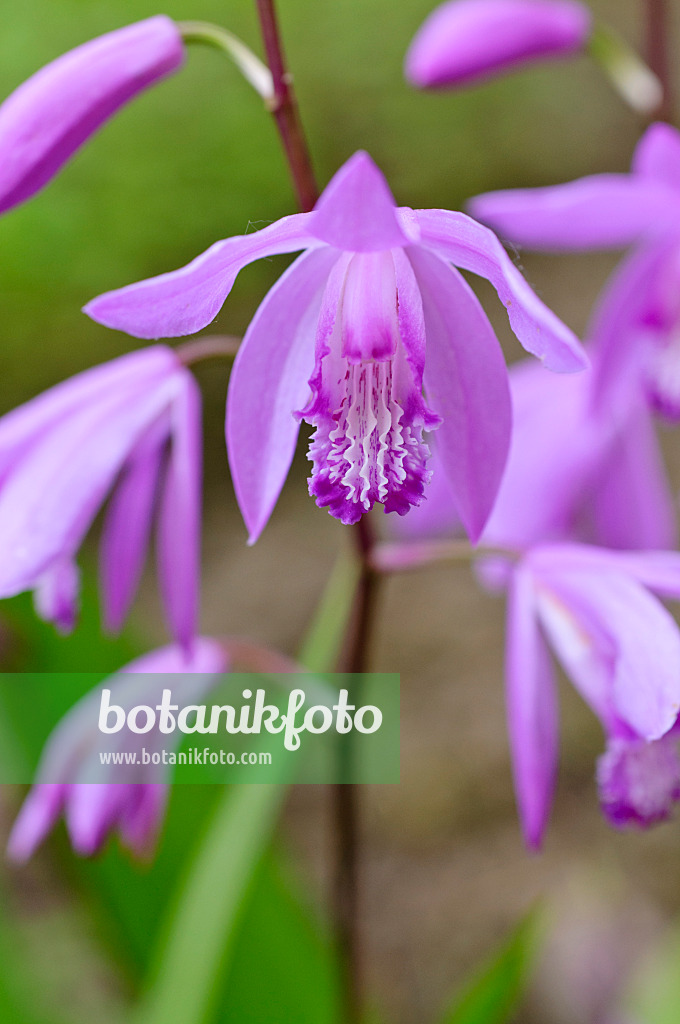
195 728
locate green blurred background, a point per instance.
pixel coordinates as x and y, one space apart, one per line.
446 876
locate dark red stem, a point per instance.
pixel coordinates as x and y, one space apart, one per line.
345 796
285 110
658 52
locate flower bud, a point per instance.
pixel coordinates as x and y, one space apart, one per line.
51 115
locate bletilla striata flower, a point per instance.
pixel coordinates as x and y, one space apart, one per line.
621 649
369 316
471 40
72 780
51 115
132 426
637 327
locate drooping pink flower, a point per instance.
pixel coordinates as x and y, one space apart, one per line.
636 330
471 40
351 320
621 649
70 760
131 426
51 115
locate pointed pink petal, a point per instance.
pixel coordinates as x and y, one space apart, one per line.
57 593
633 503
127 526
604 211
356 211
643 639
38 813
91 812
52 114
466 382
179 525
471 40
658 570
269 383
532 710
639 300
141 818
470 246
657 155
555 451
186 300
20 428
52 494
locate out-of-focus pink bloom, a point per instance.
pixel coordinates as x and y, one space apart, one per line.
351 320
621 649
574 472
636 331
471 40
578 472
95 809
134 425
52 114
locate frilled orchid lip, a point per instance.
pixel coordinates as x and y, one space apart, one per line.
385 275
616 642
367 404
638 781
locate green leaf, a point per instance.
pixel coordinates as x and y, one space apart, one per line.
494 991
198 942
283 967
210 906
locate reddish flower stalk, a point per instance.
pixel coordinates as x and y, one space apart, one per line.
658 29
285 110
345 896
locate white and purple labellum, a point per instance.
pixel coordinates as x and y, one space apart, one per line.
368 408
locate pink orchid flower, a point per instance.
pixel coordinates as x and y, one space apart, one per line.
70 761
131 427
370 315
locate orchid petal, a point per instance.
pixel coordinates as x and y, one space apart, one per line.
554 451
53 493
532 710
644 639
141 818
179 525
269 381
639 298
52 114
466 382
21 427
471 40
633 503
604 211
186 300
356 211
56 595
36 818
127 526
473 247
657 155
